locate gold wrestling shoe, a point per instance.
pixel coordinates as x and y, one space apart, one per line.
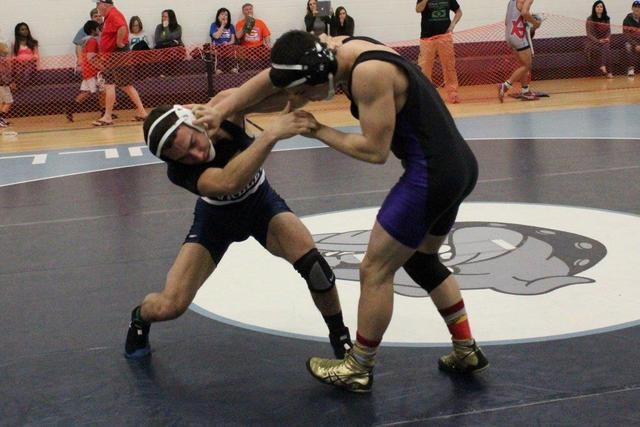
347 373
464 359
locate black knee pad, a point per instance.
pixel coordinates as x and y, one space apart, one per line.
426 270
316 271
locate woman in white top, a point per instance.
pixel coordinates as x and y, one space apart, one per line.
138 39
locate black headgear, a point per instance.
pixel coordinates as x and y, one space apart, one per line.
314 68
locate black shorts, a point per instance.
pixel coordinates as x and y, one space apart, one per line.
217 226
119 76
118 69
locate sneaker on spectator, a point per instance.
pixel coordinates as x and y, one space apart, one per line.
113 116
502 89
3 123
631 71
529 96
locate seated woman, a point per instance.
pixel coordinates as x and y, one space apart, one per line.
223 40
314 22
137 37
25 55
341 23
598 38
169 32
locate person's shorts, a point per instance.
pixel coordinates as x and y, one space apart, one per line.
118 70
5 95
519 43
89 85
217 226
426 200
119 76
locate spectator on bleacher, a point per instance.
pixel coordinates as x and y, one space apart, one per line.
254 39
223 38
342 24
114 42
250 31
169 32
631 30
79 38
25 55
436 27
137 37
89 59
314 21
599 38
518 36
6 84
222 31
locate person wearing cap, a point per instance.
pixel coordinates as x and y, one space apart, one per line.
631 30
236 201
114 42
400 112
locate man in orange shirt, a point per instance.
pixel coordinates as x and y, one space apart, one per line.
254 38
252 32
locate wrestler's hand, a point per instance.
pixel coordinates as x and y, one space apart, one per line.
207 117
290 123
310 121
324 38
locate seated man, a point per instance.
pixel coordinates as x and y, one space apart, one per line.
236 201
254 39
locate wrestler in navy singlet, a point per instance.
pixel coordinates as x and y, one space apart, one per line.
220 221
440 168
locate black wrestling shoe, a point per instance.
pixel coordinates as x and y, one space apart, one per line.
341 343
137 344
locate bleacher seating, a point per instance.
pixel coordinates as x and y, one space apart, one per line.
165 77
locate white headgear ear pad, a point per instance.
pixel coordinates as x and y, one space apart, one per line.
185 116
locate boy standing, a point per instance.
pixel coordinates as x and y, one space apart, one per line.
88 61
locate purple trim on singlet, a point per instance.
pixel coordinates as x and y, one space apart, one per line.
403 213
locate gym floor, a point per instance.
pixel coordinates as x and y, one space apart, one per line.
84 241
